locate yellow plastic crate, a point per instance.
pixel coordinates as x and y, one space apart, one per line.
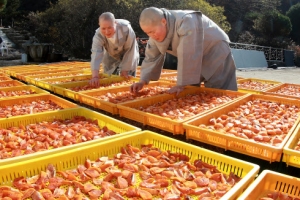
5 78
43 97
128 110
171 78
240 145
10 69
48 83
37 91
277 90
33 79
89 98
117 126
63 89
70 159
290 156
270 181
49 71
11 83
268 85
69 64
13 72
3 74
164 72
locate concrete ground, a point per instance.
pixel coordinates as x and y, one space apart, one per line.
281 74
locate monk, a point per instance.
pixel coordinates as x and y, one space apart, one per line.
115 46
201 47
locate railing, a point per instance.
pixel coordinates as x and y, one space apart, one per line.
270 52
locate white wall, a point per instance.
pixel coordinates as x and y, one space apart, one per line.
249 59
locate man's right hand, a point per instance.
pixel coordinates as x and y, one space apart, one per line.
134 88
95 81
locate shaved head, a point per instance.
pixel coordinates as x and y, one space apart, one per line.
107 16
151 16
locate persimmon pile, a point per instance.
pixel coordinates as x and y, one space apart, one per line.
25 108
258 120
66 80
172 78
42 136
4 78
120 97
15 93
297 147
58 76
255 85
188 106
105 85
278 195
73 79
3 84
43 72
135 173
290 90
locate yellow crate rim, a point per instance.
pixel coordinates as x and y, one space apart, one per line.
70 159
290 156
121 128
23 87
128 110
265 152
268 181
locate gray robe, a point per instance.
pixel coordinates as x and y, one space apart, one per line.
124 53
201 48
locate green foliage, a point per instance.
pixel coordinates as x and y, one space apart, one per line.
272 24
10 12
241 14
294 15
2 4
213 12
71 24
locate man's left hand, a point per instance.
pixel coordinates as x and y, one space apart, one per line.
175 89
124 74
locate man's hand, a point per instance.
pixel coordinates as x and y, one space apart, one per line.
134 88
175 89
124 74
95 81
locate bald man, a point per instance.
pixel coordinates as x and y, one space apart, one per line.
115 46
199 44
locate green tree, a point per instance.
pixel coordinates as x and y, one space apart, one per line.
271 25
241 14
10 13
213 12
294 15
2 4
27 6
71 24
287 4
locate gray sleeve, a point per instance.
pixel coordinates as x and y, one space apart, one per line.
152 64
190 50
97 51
131 56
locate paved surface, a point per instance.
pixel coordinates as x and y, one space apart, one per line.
282 74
